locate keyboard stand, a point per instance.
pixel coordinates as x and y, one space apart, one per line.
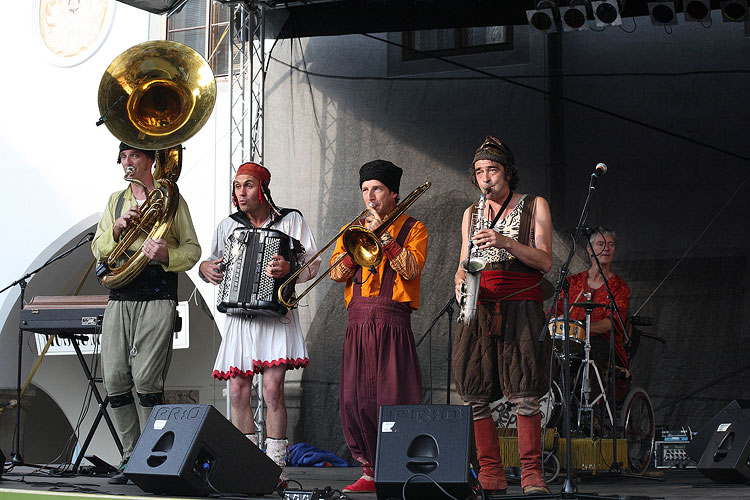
102 403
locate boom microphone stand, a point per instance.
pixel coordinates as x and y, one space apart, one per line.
447 308
615 467
15 455
569 489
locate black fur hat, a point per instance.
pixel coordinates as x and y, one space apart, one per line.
383 171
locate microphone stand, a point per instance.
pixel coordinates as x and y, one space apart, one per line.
569 489
15 455
447 308
616 467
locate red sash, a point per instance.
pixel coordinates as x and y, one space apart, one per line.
497 286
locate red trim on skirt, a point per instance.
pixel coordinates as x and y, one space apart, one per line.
291 364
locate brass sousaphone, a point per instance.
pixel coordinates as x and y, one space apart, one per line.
153 96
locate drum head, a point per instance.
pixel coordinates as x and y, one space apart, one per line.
577 335
575 346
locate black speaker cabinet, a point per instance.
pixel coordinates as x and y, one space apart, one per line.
415 441
698 443
192 449
725 459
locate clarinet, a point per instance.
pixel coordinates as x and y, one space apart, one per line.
472 266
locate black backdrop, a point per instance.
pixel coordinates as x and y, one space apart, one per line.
665 111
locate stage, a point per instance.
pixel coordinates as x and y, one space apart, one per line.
25 484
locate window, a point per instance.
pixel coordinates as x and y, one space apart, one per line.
191 25
451 42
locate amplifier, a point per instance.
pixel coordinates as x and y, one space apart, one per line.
671 455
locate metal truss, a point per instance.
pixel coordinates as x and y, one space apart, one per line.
246 98
246 91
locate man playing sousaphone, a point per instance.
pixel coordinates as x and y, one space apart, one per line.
139 319
498 352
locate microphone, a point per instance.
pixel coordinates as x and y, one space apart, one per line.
372 269
103 118
600 169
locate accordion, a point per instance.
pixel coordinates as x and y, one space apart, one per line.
245 288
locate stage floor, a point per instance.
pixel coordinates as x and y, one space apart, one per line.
23 483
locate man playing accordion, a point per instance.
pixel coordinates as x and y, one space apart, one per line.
260 344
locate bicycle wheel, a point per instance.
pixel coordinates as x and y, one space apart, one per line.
637 421
550 466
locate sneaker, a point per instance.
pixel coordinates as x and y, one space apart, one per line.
364 484
119 477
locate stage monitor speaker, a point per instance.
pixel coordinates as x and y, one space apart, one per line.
424 445
192 450
698 443
725 459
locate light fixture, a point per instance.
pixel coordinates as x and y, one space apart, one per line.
606 13
697 11
734 11
573 17
543 17
662 13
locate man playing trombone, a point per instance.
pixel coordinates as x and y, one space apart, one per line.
379 363
497 352
260 344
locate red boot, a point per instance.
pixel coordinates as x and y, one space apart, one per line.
530 452
491 471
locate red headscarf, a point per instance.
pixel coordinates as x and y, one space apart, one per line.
258 171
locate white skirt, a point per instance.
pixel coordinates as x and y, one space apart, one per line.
250 344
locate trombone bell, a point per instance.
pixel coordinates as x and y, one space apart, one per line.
364 247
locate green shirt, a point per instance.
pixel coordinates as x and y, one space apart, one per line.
182 242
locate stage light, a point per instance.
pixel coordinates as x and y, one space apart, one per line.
543 17
734 11
697 10
573 18
606 13
662 13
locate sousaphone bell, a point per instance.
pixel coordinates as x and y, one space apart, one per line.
153 96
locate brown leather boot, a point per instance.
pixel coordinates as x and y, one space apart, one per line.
491 470
530 452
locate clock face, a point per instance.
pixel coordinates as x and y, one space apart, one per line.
71 31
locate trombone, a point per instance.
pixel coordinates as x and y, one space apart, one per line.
360 243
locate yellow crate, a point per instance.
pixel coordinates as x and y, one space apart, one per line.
587 454
509 445
592 454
